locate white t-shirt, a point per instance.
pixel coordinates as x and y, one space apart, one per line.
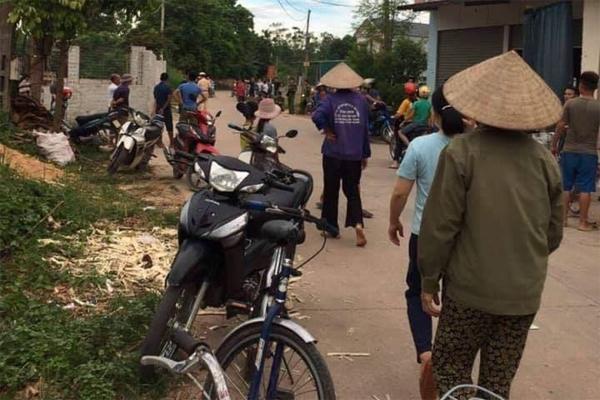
111 91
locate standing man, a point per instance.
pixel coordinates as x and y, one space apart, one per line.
291 95
344 117
162 100
115 81
579 159
418 166
204 85
189 96
121 93
493 216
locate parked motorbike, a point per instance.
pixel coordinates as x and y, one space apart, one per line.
264 155
222 255
103 127
194 139
135 145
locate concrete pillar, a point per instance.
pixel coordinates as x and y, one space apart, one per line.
73 64
432 49
590 55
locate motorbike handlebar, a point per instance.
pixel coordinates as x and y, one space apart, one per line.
305 215
236 128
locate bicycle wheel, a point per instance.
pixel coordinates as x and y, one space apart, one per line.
303 373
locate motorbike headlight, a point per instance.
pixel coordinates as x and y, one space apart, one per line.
225 180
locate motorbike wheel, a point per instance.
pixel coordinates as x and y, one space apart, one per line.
146 160
387 133
194 181
173 311
177 174
118 157
392 145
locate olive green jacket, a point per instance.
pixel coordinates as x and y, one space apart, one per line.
493 215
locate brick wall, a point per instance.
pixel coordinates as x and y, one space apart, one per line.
91 95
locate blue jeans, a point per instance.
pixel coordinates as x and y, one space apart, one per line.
420 322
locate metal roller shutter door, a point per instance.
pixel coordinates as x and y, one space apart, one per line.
461 48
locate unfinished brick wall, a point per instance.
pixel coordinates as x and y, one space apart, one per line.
91 95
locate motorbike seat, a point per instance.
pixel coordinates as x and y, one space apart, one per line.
84 119
152 132
280 232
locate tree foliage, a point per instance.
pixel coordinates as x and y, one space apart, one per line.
390 70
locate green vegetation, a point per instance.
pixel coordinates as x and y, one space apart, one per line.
86 353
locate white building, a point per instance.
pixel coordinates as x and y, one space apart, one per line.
465 32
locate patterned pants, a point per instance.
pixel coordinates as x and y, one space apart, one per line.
461 333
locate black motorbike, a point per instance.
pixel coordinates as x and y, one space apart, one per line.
222 254
104 127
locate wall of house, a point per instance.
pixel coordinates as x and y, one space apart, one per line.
590 55
91 95
461 17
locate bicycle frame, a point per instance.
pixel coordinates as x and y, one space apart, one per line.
281 274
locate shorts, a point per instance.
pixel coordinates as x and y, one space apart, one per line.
579 170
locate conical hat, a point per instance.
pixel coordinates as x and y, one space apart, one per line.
504 92
342 77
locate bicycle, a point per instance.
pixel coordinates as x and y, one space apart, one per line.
266 346
480 390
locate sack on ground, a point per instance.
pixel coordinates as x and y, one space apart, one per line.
55 147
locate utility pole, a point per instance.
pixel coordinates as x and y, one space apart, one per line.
162 29
306 60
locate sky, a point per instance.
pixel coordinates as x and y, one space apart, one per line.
333 16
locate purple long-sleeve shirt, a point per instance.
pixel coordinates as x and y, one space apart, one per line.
346 113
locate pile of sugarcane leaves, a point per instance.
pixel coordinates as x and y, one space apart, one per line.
72 334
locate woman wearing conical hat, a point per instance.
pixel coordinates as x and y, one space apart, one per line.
344 117
493 215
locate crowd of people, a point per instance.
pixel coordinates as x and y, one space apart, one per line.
486 237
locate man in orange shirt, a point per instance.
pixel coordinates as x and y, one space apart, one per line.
403 114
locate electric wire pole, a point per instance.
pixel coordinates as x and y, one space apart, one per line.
306 59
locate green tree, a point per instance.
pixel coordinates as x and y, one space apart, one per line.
59 22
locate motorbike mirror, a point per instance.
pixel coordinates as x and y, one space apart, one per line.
218 114
291 133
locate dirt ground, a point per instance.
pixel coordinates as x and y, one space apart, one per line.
29 166
355 296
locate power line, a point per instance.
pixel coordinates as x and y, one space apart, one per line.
331 3
288 14
289 3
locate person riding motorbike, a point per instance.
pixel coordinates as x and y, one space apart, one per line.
420 114
403 117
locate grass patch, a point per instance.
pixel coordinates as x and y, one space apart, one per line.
76 356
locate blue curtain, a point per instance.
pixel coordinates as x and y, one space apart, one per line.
548 43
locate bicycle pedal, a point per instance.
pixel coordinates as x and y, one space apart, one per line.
233 308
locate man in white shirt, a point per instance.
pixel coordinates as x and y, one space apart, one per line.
115 80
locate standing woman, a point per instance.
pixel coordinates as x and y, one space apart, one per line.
344 118
267 110
419 166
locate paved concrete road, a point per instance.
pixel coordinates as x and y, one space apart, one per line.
355 297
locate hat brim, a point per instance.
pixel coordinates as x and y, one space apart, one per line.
266 115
